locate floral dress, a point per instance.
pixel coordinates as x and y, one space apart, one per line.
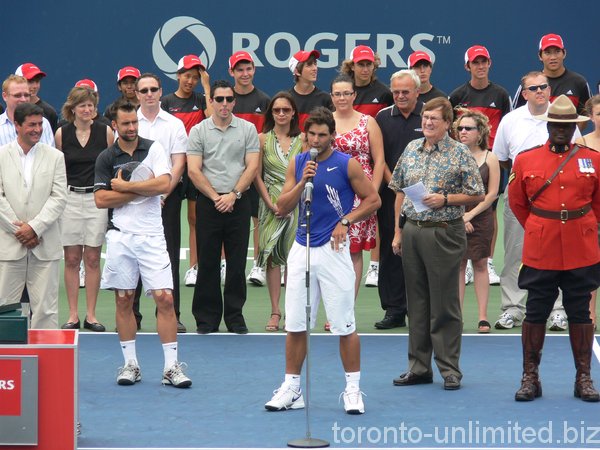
356 144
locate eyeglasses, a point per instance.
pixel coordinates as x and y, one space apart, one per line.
465 128
153 89
534 88
222 98
432 118
277 111
343 94
21 95
403 93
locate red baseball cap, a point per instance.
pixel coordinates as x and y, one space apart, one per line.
302 56
551 40
189 62
128 71
87 83
238 57
363 53
415 57
29 71
474 52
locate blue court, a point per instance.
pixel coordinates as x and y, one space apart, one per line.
235 375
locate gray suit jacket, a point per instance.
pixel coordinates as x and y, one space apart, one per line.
40 205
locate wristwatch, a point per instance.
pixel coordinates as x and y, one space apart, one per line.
238 194
345 222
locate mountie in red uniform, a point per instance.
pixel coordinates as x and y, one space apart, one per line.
252 107
493 101
189 110
372 98
550 243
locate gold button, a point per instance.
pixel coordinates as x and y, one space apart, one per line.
562 187
562 205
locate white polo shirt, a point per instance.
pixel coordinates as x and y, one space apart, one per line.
518 131
166 129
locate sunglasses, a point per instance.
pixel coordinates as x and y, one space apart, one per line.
222 98
534 88
153 89
282 110
464 128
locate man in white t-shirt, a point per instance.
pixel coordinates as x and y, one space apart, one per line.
519 130
135 242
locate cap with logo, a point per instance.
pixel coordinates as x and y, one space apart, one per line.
474 52
562 110
189 62
551 40
239 57
363 53
302 56
415 57
87 83
29 71
128 71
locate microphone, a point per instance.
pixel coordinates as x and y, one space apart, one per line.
309 186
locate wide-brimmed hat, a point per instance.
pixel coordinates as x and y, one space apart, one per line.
562 110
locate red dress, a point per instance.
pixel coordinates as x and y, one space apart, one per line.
356 144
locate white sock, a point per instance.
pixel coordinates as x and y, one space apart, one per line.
353 381
292 380
170 351
128 349
374 264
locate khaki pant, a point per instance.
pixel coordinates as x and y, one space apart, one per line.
41 278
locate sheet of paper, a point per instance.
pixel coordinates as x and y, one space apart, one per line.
415 193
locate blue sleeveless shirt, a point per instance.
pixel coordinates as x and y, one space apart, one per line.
333 197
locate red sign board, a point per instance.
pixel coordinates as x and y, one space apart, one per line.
10 387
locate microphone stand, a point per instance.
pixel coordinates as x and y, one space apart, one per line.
308 441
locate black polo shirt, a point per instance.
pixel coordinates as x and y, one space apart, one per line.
398 131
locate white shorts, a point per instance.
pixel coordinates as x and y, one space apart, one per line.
81 223
331 278
130 255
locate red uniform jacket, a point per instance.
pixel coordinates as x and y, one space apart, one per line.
552 244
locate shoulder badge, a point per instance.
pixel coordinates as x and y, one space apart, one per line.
511 177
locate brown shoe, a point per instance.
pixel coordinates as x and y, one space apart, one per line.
410 379
581 336
532 339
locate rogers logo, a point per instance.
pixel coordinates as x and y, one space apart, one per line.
393 49
173 27
7 385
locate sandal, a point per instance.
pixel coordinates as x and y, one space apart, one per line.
483 327
273 325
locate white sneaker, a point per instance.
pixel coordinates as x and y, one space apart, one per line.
257 276
494 278
223 272
81 275
191 275
469 272
174 376
372 277
506 321
129 374
559 323
285 398
353 402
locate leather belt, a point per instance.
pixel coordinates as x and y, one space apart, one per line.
81 190
431 224
563 214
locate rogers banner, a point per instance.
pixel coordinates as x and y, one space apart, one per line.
10 387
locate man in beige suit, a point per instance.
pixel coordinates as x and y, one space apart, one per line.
33 195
